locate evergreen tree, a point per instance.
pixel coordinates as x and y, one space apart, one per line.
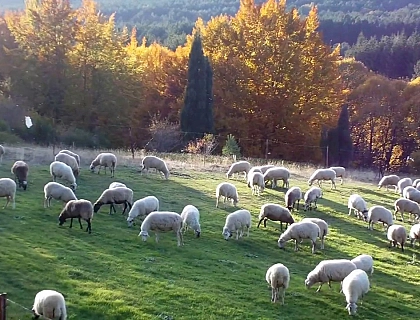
345 143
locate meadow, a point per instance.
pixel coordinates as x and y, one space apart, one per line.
113 274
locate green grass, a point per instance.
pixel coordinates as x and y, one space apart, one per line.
113 274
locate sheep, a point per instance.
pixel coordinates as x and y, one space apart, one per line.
329 270
390 180
359 206
402 183
20 169
158 221
355 286
264 168
61 170
312 196
116 185
274 212
106 160
238 167
80 208
256 182
227 190
156 163
55 190
277 173
323 174
364 262
293 196
50 304
379 214
414 234
397 234
418 186
2 151
323 227
70 161
406 205
278 278
237 221
191 219
142 208
113 196
299 231
71 153
339 172
412 194
8 190
415 183
254 169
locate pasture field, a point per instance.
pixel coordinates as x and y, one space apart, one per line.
113 274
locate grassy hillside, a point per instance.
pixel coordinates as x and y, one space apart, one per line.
112 274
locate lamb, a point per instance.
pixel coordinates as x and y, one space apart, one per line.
116 185
390 180
106 160
379 214
256 182
142 208
355 286
227 190
402 183
238 222
77 209
158 221
397 234
406 205
238 167
2 151
323 174
277 173
191 219
323 227
61 170
312 196
329 270
298 231
412 194
74 155
364 262
339 172
8 190
278 277
50 304
55 190
70 161
293 196
20 169
113 196
359 206
414 234
156 163
275 212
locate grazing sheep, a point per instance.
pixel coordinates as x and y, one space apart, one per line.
277 173
116 185
329 270
8 190
299 231
359 206
379 214
391 180
323 227
238 167
113 196
355 286
50 304
412 194
254 169
397 234
159 221
402 183
414 234
293 196
74 155
418 186
191 219
415 183
238 222
364 262
55 190
339 172
312 196
77 209
106 160
70 161
278 277
20 169
275 212
264 168
2 151
228 191
142 208
256 182
61 170
323 174
406 205
156 163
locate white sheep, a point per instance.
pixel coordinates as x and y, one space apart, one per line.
312 196
70 161
418 186
390 180
364 262
191 219
20 169
277 173
159 221
264 168
2 151
355 286
106 160
278 278
153 162
60 170
113 196
8 190
379 214
113 185
81 209
415 183
323 174
256 182
238 167
339 172
359 206
239 222
411 193
275 212
254 169
50 304
397 234
71 153
228 191
55 190
406 205
299 231
142 208
414 234
323 227
292 198
329 270
402 183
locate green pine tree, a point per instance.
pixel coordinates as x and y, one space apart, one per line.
231 147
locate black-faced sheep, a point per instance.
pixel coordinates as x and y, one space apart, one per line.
81 209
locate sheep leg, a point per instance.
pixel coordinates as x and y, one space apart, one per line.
281 291
7 202
157 237
296 245
71 223
80 222
390 244
329 284
259 222
217 202
319 288
273 295
247 230
314 246
125 207
341 180
402 247
99 170
322 243
180 238
298 202
89 227
45 202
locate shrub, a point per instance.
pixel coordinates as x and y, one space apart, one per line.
165 136
205 145
231 147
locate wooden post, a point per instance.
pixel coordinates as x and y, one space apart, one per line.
266 149
326 158
131 142
3 303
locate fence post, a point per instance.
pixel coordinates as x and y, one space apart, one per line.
3 302
326 158
266 149
131 142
